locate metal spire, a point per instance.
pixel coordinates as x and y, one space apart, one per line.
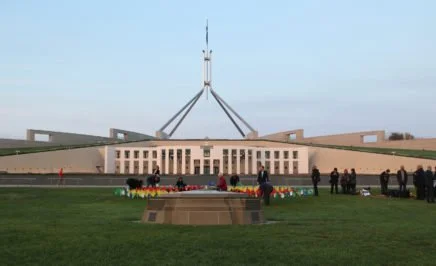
207 86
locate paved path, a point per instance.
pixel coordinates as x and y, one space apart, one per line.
13 180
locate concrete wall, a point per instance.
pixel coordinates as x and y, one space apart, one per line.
415 144
66 138
354 139
285 135
366 163
349 139
83 160
87 159
127 135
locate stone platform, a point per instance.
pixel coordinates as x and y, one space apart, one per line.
204 208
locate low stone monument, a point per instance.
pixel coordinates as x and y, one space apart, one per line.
203 207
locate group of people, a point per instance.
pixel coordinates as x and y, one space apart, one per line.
346 180
424 182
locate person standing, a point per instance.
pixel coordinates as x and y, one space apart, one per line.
344 181
419 182
402 179
264 186
222 184
434 178
316 178
384 181
334 178
429 177
61 177
262 176
353 181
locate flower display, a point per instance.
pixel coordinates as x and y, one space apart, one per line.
279 192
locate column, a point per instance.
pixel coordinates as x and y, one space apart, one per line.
222 160
183 162
192 163
122 162
246 161
238 162
262 157
159 160
254 161
131 163
202 165
150 161
141 162
167 161
175 162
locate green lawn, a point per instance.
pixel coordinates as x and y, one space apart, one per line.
68 226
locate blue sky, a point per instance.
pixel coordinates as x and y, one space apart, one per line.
325 66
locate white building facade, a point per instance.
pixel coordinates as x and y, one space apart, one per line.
206 160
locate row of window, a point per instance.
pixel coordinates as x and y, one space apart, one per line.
145 154
206 154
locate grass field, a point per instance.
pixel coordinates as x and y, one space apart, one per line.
92 227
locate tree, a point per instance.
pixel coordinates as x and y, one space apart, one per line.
401 136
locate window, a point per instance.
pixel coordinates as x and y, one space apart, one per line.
242 154
126 154
234 153
267 154
145 154
276 155
188 152
118 154
295 154
258 154
171 154
250 152
163 154
286 154
136 154
206 153
154 154
226 152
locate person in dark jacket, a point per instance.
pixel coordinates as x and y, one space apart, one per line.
262 176
344 181
353 181
234 180
402 178
180 184
316 178
419 182
429 177
384 181
334 178
154 179
434 178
